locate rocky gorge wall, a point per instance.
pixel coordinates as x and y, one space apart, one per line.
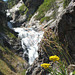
66 28
10 62
50 44
58 24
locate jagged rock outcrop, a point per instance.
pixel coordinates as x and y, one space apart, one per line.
32 6
33 3
5 32
66 28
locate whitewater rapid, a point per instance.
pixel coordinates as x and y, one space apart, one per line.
29 41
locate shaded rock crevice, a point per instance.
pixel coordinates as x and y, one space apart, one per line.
66 28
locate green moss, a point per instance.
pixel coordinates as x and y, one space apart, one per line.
11 35
1 48
47 4
23 73
23 9
44 19
11 3
8 32
29 17
66 2
26 11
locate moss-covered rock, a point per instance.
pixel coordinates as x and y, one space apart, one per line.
23 9
47 4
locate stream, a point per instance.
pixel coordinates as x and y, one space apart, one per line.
29 41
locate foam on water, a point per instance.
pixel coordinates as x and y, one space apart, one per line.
29 40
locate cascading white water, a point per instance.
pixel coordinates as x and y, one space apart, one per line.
29 37
29 40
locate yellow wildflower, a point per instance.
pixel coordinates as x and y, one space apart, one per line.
45 65
54 58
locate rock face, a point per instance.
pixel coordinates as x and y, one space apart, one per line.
66 28
10 63
14 14
13 43
2 14
32 5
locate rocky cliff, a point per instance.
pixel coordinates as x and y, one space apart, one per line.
10 62
66 27
62 42
56 19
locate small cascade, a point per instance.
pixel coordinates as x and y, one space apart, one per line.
29 40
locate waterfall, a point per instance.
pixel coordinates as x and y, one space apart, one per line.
29 41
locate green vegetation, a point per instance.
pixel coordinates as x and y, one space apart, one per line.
29 17
11 3
44 19
60 69
74 72
23 73
23 9
47 4
66 2
51 46
11 35
9 62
